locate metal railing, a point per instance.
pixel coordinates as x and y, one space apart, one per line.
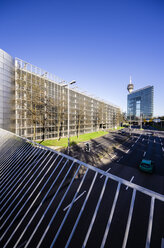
33 176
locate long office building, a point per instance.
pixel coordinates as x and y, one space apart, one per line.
34 103
140 103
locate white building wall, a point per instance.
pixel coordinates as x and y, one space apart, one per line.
7 81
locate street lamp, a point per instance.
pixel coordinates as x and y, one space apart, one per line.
141 121
72 82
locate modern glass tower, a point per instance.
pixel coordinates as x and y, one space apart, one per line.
140 103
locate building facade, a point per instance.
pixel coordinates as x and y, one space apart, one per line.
7 88
35 104
140 103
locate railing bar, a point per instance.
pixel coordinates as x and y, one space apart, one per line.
17 172
19 163
95 214
11 147
43 215
7 143
24 195
44 234
27 201
150 224
3 162
11 169
129 219
9 159
24 178
67 213
41 203
111 216
15 163
26 182
81 211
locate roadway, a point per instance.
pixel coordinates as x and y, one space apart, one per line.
123 160
126 159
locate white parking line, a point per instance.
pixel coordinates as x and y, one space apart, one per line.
75 200
132 145
101 144
105 171
154 140
130 182
113 157
144 154
137 140
161 144
119 159
127 151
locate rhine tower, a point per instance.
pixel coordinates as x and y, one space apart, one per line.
130 86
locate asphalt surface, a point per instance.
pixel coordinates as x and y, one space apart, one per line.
123 160
141 145
47 201
101 147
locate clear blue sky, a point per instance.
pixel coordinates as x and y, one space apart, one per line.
97 43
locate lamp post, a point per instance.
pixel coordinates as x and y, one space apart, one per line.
68 123
141 121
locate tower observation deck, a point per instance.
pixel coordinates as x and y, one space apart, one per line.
130 86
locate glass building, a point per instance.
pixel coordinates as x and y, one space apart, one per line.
34 103
140 103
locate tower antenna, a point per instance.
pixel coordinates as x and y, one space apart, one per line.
130 80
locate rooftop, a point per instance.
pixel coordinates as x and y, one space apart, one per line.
149 86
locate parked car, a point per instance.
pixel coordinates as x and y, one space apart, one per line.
147 166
